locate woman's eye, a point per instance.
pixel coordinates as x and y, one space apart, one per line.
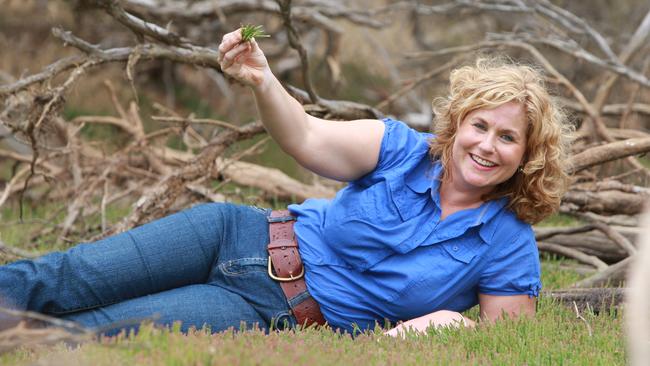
507 138
480 126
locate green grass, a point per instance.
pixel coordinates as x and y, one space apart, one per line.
554 337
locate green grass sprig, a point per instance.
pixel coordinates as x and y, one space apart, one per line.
250 31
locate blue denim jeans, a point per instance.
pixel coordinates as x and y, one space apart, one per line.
205 266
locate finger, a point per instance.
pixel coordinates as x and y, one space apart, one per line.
228 41
254 46
245 53
235 54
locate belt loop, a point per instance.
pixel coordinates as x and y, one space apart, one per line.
270 219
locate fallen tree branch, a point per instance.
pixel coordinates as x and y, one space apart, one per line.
139 26
610 109
589 299
272 181
617 238
196 56
16 252
606 202
620 220
608 152
611 276
543 233
572 253
334 109
593 243
156 202
199 10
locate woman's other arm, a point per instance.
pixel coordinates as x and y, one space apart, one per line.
342 151
441 318
493 307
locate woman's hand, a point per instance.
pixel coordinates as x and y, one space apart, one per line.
442 318
243 61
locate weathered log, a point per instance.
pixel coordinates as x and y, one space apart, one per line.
572 253
609 152
589 299
549 232
593 243
270 180
607 202
617 220
613 275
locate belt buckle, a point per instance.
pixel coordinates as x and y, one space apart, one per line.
284 279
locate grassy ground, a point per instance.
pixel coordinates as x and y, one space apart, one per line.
555 337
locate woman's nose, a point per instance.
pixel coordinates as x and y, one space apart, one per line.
487 144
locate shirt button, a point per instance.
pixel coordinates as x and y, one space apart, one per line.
455 248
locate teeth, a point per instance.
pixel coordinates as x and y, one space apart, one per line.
482 161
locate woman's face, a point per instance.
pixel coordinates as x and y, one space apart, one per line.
489 147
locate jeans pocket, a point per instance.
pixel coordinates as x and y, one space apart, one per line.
243 266
262 210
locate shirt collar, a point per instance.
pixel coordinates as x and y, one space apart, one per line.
426 176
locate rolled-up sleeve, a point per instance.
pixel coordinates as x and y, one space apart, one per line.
514 269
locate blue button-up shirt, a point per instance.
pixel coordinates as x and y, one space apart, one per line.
379 251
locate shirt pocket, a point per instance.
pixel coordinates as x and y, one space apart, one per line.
464 249
407 203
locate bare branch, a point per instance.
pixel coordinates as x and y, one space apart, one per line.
196 10
16 251
613 273
415 83
294 41
578 52
611 109
617 238
544 233
50 71
609 152
199 121
569 19
140 26
196 56
632 47
573 253
544 8
158 199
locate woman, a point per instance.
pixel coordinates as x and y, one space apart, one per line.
427 226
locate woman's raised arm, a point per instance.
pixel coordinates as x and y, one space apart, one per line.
338 150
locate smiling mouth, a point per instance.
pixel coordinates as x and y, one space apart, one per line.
482 162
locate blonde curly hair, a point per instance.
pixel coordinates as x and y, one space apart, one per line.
535 191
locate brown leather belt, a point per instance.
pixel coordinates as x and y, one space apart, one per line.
285 266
